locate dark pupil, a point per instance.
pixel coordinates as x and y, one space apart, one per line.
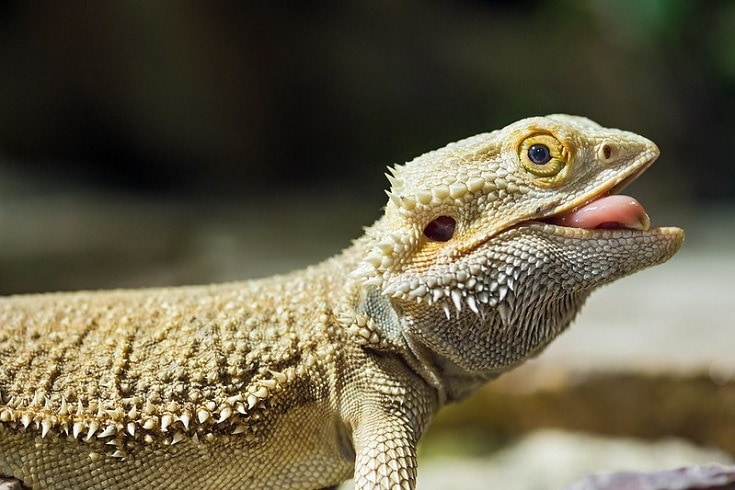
539 154
441 229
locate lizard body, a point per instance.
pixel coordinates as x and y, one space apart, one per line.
307 379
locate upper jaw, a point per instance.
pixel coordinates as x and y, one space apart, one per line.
604 208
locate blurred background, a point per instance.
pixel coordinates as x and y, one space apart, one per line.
162 143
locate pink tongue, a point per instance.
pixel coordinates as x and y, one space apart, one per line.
606 212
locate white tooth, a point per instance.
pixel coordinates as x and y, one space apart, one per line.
166 420
109 430
36 398
45 426
471 303
178 436
419 292
457 299
446 311
394 198
504 313
93 426
224 414
76 429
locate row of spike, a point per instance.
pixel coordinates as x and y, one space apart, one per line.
456 192
96 430
458 289
457 188
109 422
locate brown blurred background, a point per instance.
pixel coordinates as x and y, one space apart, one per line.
213 98
257 104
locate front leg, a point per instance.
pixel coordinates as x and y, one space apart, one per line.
385 449
392 410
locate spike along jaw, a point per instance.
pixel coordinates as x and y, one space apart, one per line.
481 251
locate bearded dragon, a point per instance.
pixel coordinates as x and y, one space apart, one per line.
485 253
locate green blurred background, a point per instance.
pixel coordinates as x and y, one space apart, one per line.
125 125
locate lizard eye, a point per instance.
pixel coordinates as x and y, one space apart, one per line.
543 155
539 154
441 229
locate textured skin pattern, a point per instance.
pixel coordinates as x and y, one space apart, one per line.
304 380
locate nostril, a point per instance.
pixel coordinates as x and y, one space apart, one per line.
607 152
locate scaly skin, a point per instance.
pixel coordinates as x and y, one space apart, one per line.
295 381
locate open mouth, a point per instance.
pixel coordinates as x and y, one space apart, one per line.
608 210
605 212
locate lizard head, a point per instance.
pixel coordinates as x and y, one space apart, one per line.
490 245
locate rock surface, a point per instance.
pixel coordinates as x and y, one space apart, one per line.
552 460
710 477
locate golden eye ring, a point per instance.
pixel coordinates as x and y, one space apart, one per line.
542 155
